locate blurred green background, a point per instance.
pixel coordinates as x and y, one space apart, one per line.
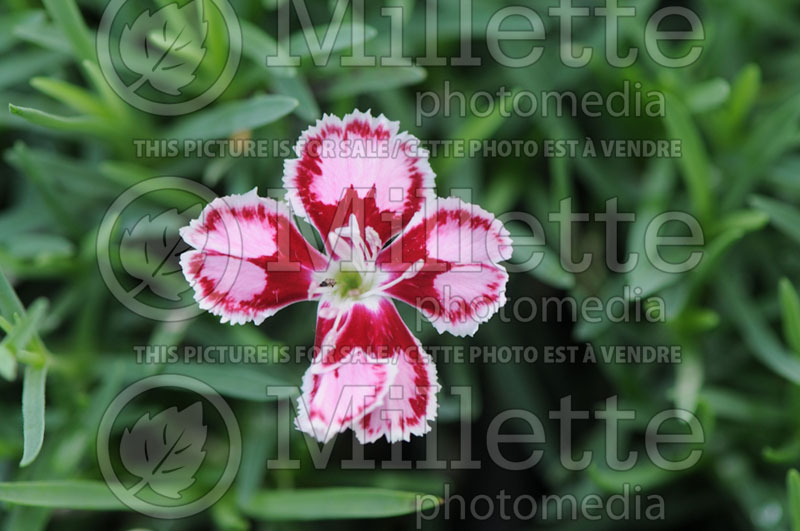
68 152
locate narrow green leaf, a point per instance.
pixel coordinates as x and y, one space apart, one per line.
126 174
784 176
19 67
483 127
33 385
785 217
790 312
694 163
24 329
228 118
235 381
688 380
37 30
226 515
548 270
788 453
12 20
772 135
614 481
70 124
297 87
735 406
744 92
217 41
708 95
696 320
9 302
551 272
71 95
8 363
793 486
10 305
256 449
742 220
371 79
715 250
502 193
67 494
100 84
21 158
66 14
471 128
336 503
298 45
645 275
759 337
257 45
77 176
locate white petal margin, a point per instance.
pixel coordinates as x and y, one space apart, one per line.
408 406
462 282
333 401
385 385
358 152
249 260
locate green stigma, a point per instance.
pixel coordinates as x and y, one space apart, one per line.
347 281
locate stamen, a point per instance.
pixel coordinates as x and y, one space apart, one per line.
336 286
374 241
357 251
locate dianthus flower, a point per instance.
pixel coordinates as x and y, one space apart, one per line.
369 191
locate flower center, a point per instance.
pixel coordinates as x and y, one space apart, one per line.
348 283
352 274
342 282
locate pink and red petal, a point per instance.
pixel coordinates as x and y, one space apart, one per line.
358 164
249 259
333 400
372 377
409 404
460 283
367 326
